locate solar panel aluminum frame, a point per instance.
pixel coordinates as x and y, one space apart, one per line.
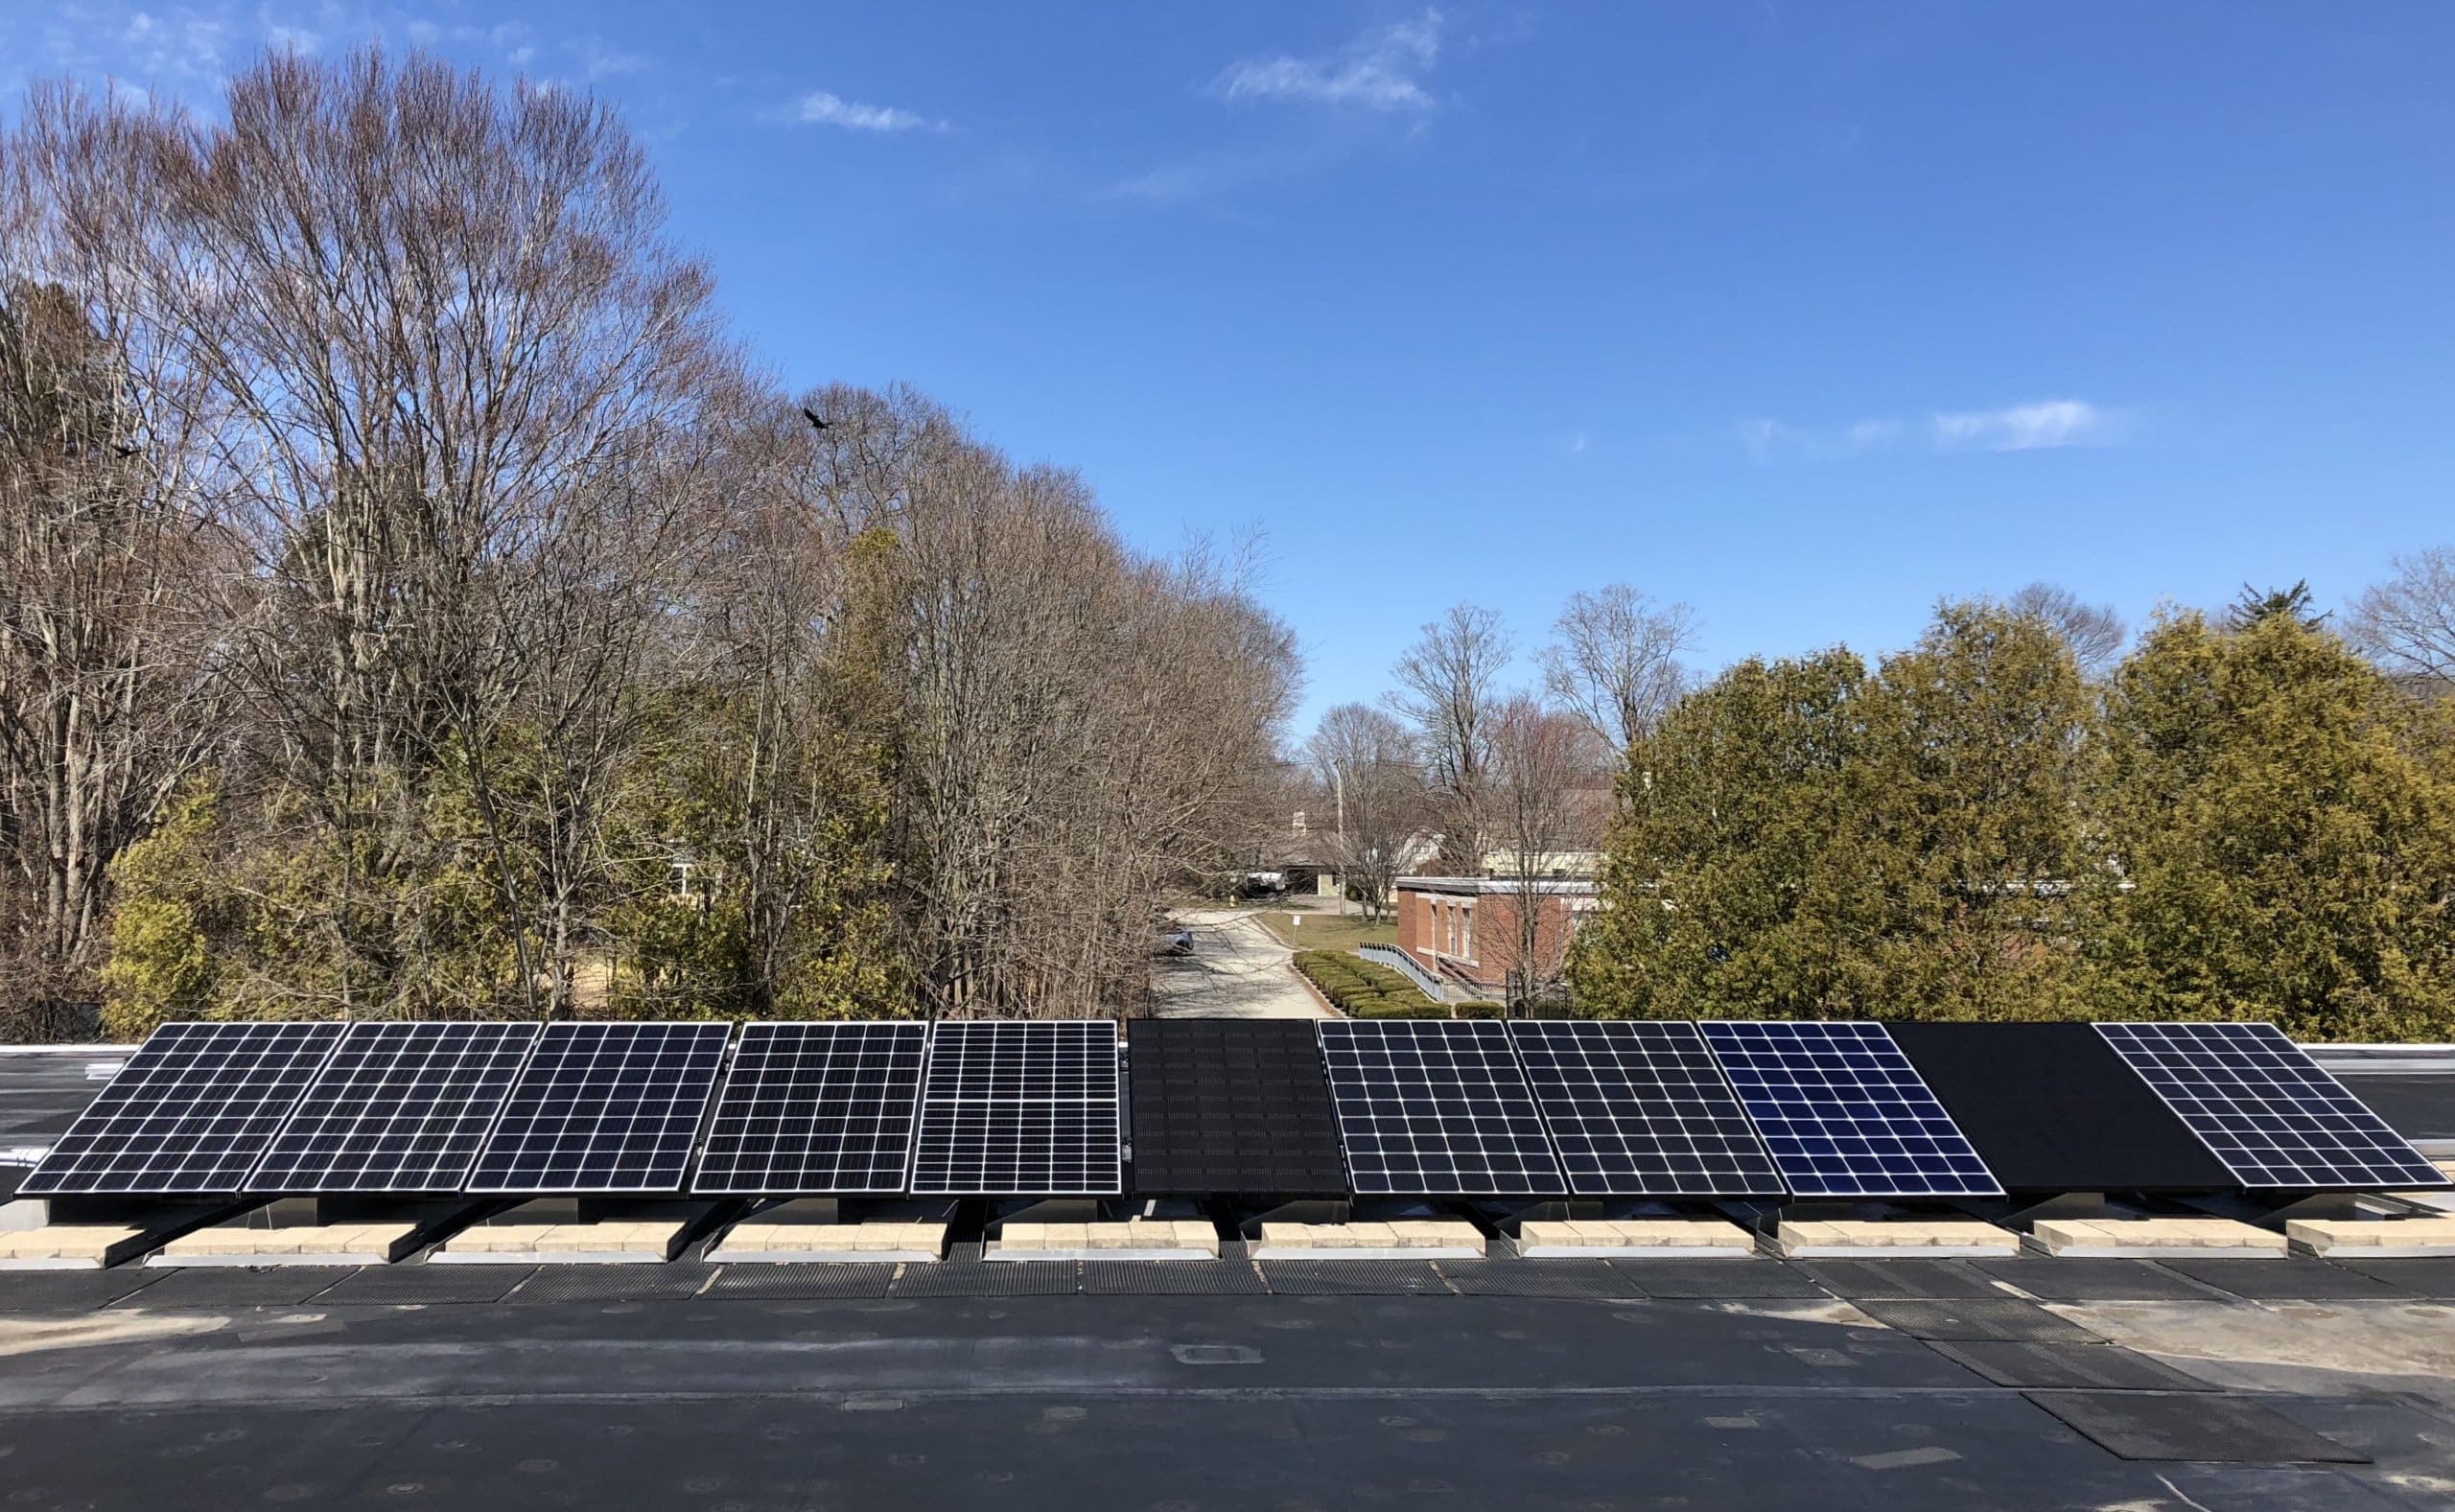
478 1186
952 1110
2420 1172
739 1185
69 1169
1806 1182
339 1066
1751 1172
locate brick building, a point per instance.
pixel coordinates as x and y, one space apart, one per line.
1463 929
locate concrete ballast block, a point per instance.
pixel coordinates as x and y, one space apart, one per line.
614 1243
2375 1238
301 1245
68 1247
1412 1239
1138 1239
874 1243
2168 1238
1846 1238
1687 1237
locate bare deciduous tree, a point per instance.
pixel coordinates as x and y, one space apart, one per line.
459 359
1365 761
569 669
108 550
2095 634
1546 804
1447 686
1616 663
2406 624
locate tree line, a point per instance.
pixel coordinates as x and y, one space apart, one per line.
2027 814
2248 815
417 602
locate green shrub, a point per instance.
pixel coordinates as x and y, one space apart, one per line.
1422 1007
1479 1007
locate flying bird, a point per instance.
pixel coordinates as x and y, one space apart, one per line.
811 415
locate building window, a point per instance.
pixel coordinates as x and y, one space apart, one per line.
1467 933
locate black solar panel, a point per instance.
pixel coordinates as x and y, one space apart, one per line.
1020 1109
814 1109
1232 1106
192 1110
1429 1108
1843 1111
1639 1108
605 1107
2050 1107
2265 1108
398 1107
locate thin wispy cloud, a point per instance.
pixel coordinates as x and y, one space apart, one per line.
2042 425
1382 70
293 38
598 61
2024 427
820 108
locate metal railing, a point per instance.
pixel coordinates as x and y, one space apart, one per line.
1391 956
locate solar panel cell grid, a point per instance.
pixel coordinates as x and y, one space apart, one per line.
605 1107
814 1109
1025 1110
192 1110
1843 1111
1435 1108
2267 1110
1640 1109
398 1107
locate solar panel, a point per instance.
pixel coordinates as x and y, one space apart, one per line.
810 1108
1843 1111
191 1111
605 1107
1232 1106
2265 1108
398 1107
1020 1109
2050 1107
1435 1108
1639 1108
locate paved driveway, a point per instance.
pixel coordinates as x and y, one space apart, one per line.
1238 969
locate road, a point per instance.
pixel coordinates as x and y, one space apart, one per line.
1238 969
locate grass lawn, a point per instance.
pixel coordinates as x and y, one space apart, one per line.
1329 931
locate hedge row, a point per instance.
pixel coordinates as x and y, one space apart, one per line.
1362 988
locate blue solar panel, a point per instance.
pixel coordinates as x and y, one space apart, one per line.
1844 1113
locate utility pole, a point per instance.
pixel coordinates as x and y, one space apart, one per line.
1338 801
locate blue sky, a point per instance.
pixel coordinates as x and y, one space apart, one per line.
1802 314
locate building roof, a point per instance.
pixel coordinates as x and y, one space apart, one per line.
1474 886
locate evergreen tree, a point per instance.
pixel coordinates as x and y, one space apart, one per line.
2281 830
1800 839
